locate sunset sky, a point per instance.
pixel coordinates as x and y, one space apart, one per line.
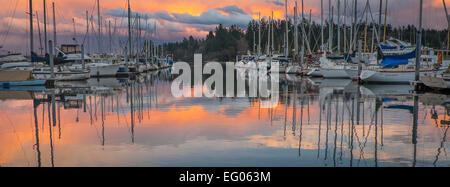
176 19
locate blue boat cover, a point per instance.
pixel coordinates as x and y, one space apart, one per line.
284 60
388 63
348 57
387 47
392 61
389 100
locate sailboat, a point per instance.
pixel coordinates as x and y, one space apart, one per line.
282 61
39 70
95 69
398 64
16 77
437 81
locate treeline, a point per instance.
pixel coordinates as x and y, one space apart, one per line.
225 43
221 45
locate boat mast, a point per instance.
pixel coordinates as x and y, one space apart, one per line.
99 28
138 36
330 26
286 47
321 25
385 21
345 26
110 37
129 33
419 43
272 33
45 27
259 34
350 46
254 42
74 29
379 17
54 29
339 27
355 27
365 31
39 32
268 35
31 30
303 33
295 32
87 30
448 25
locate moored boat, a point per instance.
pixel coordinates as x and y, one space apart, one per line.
14 78
437 81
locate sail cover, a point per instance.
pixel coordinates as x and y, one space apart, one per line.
393 62
388 47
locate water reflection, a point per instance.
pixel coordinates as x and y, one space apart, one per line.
121 122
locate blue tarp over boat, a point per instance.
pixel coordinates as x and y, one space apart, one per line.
392 63
387 47
409 55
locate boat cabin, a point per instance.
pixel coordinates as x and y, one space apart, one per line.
70 48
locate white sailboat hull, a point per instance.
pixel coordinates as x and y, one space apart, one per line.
352 73
62 76
315 72
436 82
334 73
104 71
402 77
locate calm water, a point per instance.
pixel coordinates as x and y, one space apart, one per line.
331 123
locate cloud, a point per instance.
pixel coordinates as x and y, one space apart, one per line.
233 9
275 2
236 16
194 17
214 17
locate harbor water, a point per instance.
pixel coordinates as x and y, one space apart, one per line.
316 122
